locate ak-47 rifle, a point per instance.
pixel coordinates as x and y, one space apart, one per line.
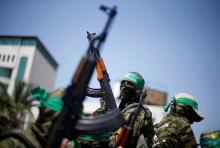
103 77
68 123
126 130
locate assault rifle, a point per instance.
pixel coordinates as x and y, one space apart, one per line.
103 77
126 130
69 119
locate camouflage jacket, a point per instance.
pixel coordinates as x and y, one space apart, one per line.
102 109
174 131
142 127
98 140
19 139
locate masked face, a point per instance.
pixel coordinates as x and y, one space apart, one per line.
189 114
185 111
128 90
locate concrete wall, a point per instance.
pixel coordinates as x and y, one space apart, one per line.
42 72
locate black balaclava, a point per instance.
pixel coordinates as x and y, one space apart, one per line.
129 94
185 111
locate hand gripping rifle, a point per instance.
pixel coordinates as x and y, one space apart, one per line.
103 77
69 122
126 130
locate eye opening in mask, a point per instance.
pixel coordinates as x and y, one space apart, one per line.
128 84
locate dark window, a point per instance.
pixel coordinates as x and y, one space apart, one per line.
5 72
3 59
8 58
3 87
10 41
21 68
13 58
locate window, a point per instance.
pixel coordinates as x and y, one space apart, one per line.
5 72
10 41
3 59
8 58
3 87
21 68
29 42
13 58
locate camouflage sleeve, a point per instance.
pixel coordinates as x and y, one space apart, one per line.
11 143
143 126
165 142
148 131
166 136
187 137
99 111
175 133
142 143
102 109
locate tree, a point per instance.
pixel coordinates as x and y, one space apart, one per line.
14 109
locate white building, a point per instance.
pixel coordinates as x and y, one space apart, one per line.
25 58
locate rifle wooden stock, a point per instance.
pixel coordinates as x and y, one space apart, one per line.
99 71
103 77
122 137
100 68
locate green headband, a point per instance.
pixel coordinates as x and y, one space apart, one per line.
138 81
40 94
184 101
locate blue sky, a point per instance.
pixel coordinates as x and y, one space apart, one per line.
174 44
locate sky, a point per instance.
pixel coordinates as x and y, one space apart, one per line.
174 44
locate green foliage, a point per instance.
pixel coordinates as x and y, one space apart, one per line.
13 109
22 95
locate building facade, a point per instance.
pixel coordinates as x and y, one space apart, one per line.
25 58
155 100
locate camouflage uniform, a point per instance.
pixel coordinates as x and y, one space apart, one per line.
95 141
38 133
102 109
143 126
175 129
142 129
